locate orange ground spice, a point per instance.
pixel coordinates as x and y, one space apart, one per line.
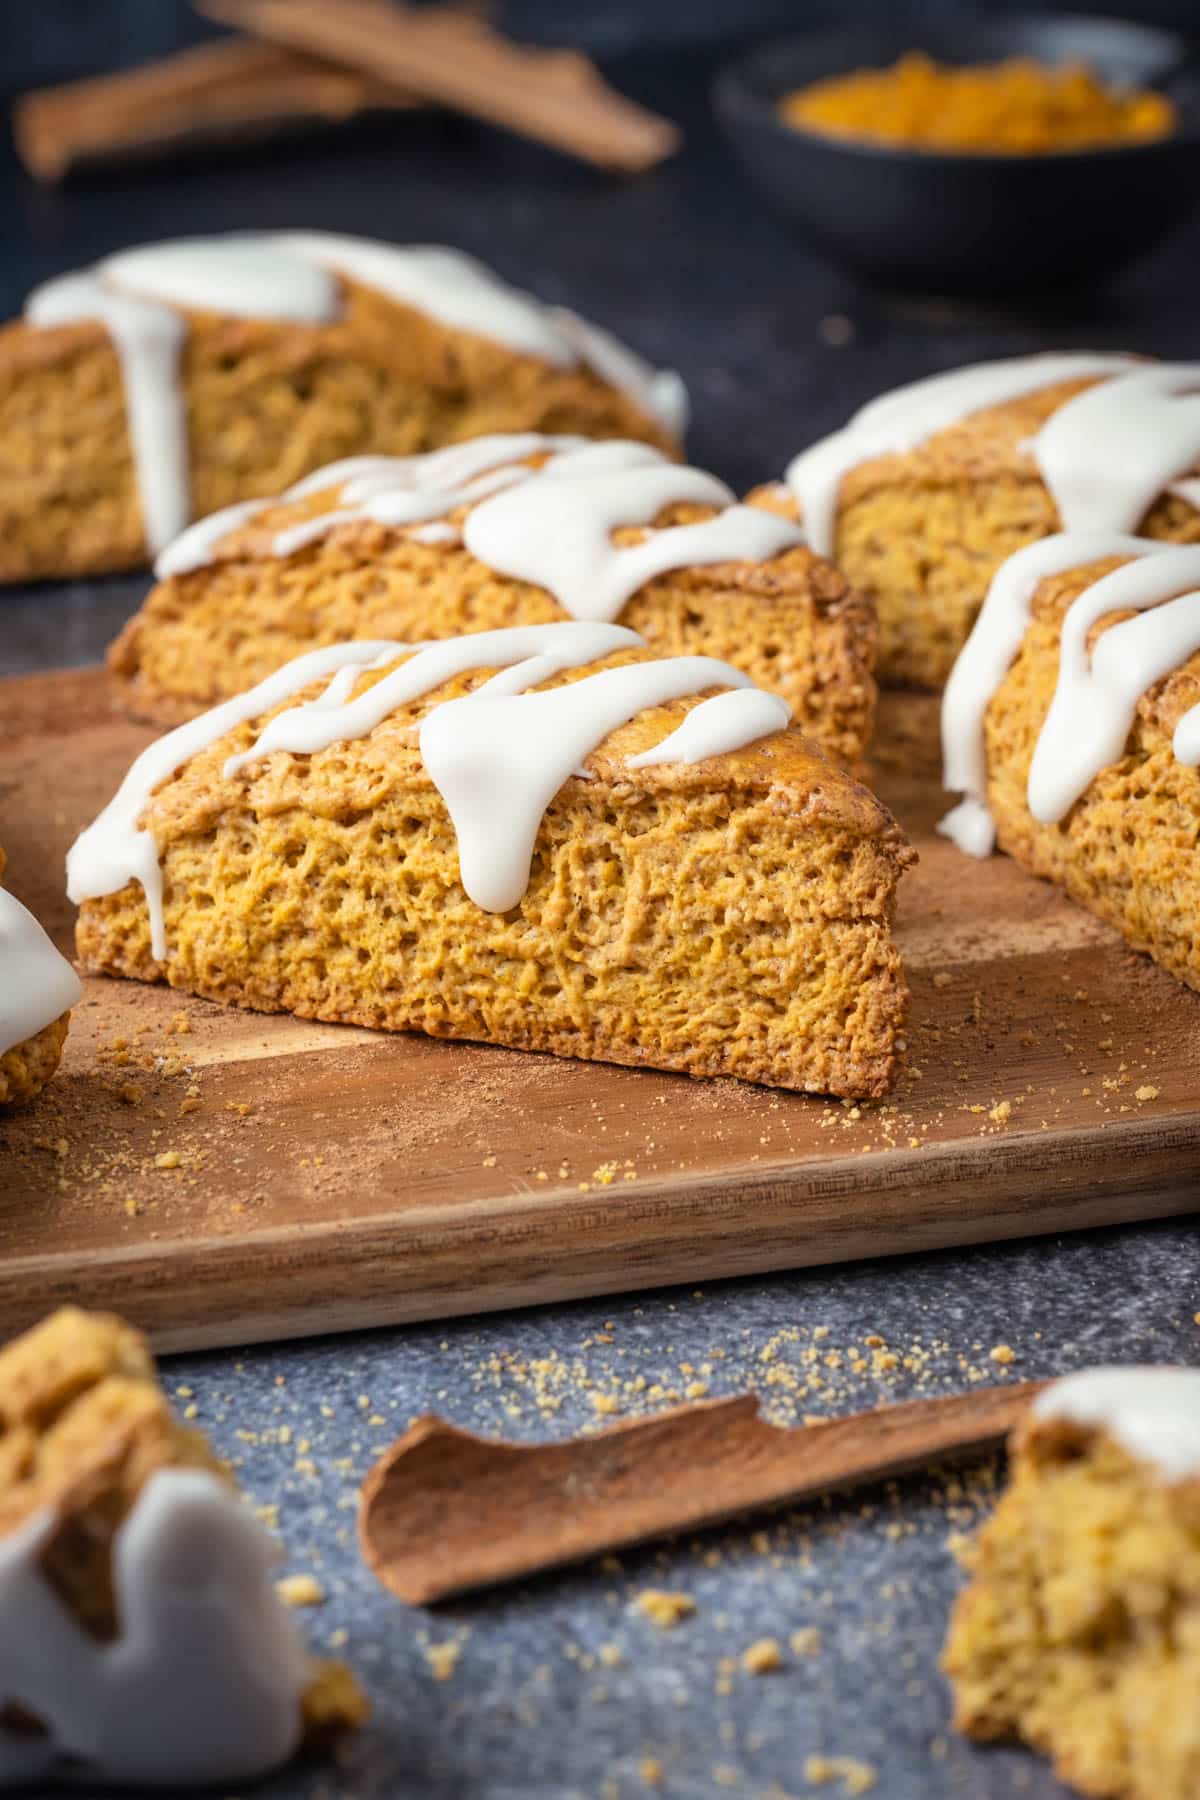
1015 108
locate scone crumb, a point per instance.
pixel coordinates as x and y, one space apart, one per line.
663 1608
300 1590
762 1657
806 1641
1001 1112
610 1655
168 1159
651 1772
856 1777
1002 1353
1146 1092
443 1659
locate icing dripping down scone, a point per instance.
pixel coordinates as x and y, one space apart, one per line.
540 836
142 1642
174 379
1071 724
38 988
1080 1630
930 488
506 530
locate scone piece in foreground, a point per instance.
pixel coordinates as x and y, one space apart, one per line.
172 379
928 489
141 1638
1080 1630
1072 724
544 837
516 530
37 989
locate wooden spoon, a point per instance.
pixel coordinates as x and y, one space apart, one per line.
444 1512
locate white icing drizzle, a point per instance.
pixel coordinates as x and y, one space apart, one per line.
986 658
113 851
1096 695
203 1684
552 525
541 651
556 528
1109 453
726 722
497 756
291 275
1153 1412
909 415
37 985
194 548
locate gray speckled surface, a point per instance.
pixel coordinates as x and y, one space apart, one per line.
691 267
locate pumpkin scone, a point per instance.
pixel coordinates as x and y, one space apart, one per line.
1080 1630
541 836
1071 723
173 379
142 1642
509 530
929 489
38 987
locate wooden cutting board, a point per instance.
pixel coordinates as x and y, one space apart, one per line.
324 1178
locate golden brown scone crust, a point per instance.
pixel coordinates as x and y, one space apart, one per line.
1080 1630
791 623
923 532
28 1066
729 917
267 403
1126 849
83 1427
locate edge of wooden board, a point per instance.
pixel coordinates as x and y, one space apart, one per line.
522 1249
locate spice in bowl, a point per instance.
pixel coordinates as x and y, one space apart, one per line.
1014 108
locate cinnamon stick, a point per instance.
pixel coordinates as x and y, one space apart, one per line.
444 1512
557 97
236 87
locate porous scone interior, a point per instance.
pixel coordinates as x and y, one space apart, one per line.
1080 1630
726 917
83 1427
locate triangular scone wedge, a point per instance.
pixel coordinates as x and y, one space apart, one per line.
729 915
1072 723
141 1637
410 550
38 987
1080 1630
232 379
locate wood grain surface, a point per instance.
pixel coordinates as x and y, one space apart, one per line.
446 1512
326 1178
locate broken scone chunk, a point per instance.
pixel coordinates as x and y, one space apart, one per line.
141 1638
1080 1631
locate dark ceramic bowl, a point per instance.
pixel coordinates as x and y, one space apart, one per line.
930 222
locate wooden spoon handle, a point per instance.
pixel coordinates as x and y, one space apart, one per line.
444 1512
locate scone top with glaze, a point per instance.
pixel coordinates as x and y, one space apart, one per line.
930 488
141 1636
38 987
173 379
506 530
